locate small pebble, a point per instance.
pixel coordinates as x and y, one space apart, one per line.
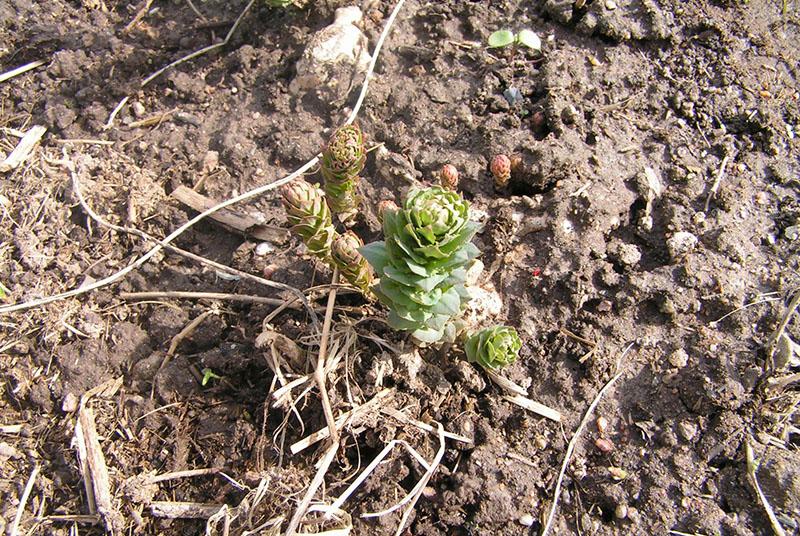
611 5
687 430
70 403
526 520
604 445
569 115
679 358
621 511
602 424
264 248
138 108
680 244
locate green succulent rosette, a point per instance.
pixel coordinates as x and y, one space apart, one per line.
342 161
352 265
422 262
309 217
494 347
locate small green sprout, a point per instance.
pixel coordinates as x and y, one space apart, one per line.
208 375
494 347
526 38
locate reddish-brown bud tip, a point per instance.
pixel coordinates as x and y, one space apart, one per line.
385 205
448 177
501 170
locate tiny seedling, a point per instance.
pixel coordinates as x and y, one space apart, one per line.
526 38
208 375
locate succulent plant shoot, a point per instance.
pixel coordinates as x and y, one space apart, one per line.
448 177
309 217
342 161
501 170
383 206
352 265
421 262
494 347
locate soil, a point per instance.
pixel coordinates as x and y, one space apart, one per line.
610 236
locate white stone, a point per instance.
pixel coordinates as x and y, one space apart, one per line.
335 51
680 244
679 358
526 520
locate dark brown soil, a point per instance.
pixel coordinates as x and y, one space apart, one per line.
653 93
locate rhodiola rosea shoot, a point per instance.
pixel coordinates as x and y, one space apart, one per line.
421 263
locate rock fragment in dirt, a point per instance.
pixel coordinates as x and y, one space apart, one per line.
333 59
8 452
687 430
626 254
465 374
679 358
650 189
621 20
680 244
70 403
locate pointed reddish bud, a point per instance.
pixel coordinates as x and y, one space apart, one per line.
351 263
345 248
501 170
383 206
448 177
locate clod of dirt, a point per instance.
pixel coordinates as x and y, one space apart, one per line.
628 255
466 374
680 244
779 476
333 58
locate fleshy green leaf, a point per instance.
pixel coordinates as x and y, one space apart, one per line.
376 255
501 38
529 39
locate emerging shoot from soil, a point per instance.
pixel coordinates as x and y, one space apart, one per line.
309 216
342 161
501 170
448 177
494 347
526 38
421 263
351 264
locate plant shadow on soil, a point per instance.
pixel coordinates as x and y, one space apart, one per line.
581 242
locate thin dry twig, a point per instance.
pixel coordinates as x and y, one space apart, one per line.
23 500
319 372
715 187
86 432
571 447
8 75
154 295
302 508
23 148
517 395
752 467
183 510
772 345
189 473
203 50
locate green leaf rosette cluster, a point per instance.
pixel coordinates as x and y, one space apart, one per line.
342 161
309 217
422 262
494 347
